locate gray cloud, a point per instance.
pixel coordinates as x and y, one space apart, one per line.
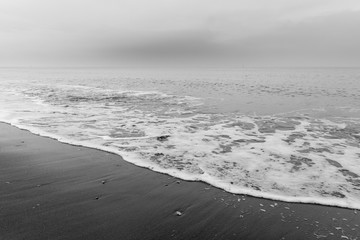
263 32
325 40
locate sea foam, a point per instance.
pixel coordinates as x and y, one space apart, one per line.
294 156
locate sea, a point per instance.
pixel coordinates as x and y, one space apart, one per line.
289 134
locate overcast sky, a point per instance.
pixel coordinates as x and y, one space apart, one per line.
238 32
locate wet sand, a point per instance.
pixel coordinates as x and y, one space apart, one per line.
51 190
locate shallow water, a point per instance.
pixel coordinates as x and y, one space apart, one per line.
287 134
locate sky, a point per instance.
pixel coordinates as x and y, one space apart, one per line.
213 32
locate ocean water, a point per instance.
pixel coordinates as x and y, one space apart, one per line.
284 134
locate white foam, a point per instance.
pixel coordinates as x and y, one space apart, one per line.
295 159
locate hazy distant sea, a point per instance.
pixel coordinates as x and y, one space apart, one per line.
286 134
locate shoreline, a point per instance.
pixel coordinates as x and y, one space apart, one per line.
54 190
248 192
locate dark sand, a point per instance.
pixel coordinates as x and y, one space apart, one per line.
51 190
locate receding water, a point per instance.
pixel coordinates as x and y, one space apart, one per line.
286 134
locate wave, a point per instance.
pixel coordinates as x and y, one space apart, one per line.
290 157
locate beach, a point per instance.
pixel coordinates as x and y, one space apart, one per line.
52 190
186 120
